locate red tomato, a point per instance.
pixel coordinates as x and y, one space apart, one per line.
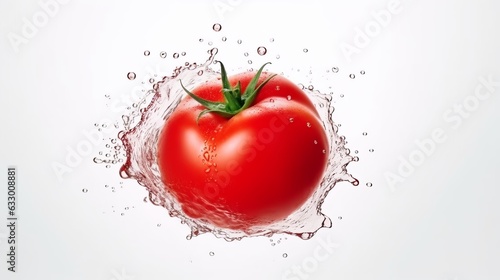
253 167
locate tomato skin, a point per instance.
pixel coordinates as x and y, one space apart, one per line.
254 168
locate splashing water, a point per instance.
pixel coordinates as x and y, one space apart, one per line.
140 137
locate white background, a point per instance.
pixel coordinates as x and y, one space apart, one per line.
441 222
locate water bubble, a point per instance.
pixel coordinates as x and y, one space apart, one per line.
310 87
369 184
245 54
200 40
352 76
122 214
151 80
315 142
285 255
305 50
85 190
217 27
364 133
249 62
163 54
371 150
356 151
175 55
211 254
224 39
131 75
239 41
278 56
271 40
261 50
146 53
200 72
340 217
335 69
308 124
183 53
158 225
362 72
288 97
290 119
341 96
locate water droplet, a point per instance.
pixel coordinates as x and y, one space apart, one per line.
200 72
131 75
288 97
335 69
271 100
146 53
369 184
355 151
362 72
341 96
278 56
352 76
249 62
127 208
151 80
261 50
308 124
175 55
371 150
239 41
85 190
122 214
290 119
340 217
315 142
207 170
310 87
224 39
217 27
200 40
364 133
271 40
183 53
285 255
245 54
305 50
211 254
163 54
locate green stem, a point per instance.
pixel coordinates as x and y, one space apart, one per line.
234 100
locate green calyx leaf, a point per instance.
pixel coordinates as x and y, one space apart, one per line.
234 100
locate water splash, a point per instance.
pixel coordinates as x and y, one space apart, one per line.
142 128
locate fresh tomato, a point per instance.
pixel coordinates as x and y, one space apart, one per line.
243 151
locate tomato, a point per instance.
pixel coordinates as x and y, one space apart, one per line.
245 152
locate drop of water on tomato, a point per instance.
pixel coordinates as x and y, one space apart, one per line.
308 124
288 97
291 120
217 27
131 75
261 50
